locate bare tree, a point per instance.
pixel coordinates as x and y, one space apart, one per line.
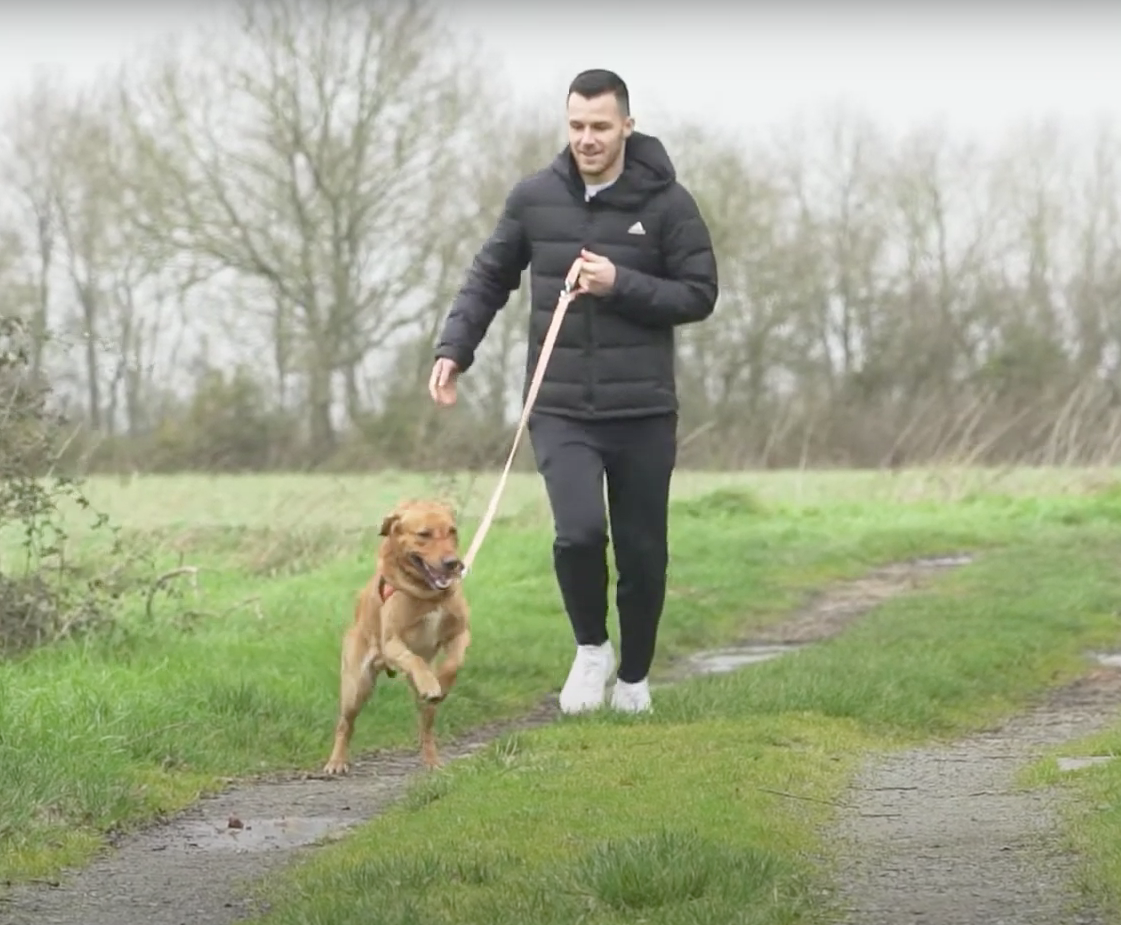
28 159
730 361
300 193
306 154
496 383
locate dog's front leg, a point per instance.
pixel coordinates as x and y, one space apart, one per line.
427 720
455 652
424 681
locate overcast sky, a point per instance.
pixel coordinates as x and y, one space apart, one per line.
979 70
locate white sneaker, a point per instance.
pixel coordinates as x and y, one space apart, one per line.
586 684
631 698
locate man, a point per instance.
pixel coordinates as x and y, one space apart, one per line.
608 403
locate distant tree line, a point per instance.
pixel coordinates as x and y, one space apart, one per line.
235 254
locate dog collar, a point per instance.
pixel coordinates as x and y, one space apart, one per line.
385 590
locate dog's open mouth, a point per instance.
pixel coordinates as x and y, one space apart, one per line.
439 578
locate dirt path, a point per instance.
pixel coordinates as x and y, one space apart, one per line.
194 869
938 836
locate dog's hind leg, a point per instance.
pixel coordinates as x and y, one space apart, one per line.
354 690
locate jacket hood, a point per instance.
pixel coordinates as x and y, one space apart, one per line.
647 169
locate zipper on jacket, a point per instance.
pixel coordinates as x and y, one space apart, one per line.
589 318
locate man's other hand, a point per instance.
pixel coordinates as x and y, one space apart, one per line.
442 382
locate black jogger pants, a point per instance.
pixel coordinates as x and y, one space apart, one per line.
637 457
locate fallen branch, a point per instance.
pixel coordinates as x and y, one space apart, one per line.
191 570
219 615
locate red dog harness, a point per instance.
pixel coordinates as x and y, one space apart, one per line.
385 592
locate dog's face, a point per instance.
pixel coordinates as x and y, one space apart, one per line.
424 542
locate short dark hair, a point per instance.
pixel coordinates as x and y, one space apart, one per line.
596 82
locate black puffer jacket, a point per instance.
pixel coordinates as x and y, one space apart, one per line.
614 355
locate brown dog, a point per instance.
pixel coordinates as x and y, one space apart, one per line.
411 609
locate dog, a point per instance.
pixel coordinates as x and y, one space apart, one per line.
411 610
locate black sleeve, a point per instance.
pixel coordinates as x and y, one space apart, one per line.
689 293
495 272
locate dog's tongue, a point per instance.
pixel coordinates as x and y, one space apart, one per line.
439 582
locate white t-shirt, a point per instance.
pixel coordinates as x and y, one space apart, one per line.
590 191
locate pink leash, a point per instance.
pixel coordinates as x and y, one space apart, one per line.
568 293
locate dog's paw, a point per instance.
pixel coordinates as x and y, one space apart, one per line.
432 693
336 766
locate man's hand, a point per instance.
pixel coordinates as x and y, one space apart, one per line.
442 382
597 276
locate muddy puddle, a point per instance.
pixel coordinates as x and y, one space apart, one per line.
1069 763
720 661
260 834
820 620
1080 763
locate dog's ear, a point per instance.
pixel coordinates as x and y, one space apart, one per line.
387 524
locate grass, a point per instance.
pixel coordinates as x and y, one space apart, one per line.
569 823
357 501
1091 816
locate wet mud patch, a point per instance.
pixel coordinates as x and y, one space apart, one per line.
826 615
198 868
833 611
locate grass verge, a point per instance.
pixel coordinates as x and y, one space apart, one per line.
1091 816
711 809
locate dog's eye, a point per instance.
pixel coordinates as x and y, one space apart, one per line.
424 534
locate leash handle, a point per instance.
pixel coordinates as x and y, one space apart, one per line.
568 293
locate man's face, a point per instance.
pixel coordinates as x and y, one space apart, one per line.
596 132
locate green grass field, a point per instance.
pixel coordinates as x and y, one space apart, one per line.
670 818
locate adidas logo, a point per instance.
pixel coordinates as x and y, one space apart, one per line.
636 228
